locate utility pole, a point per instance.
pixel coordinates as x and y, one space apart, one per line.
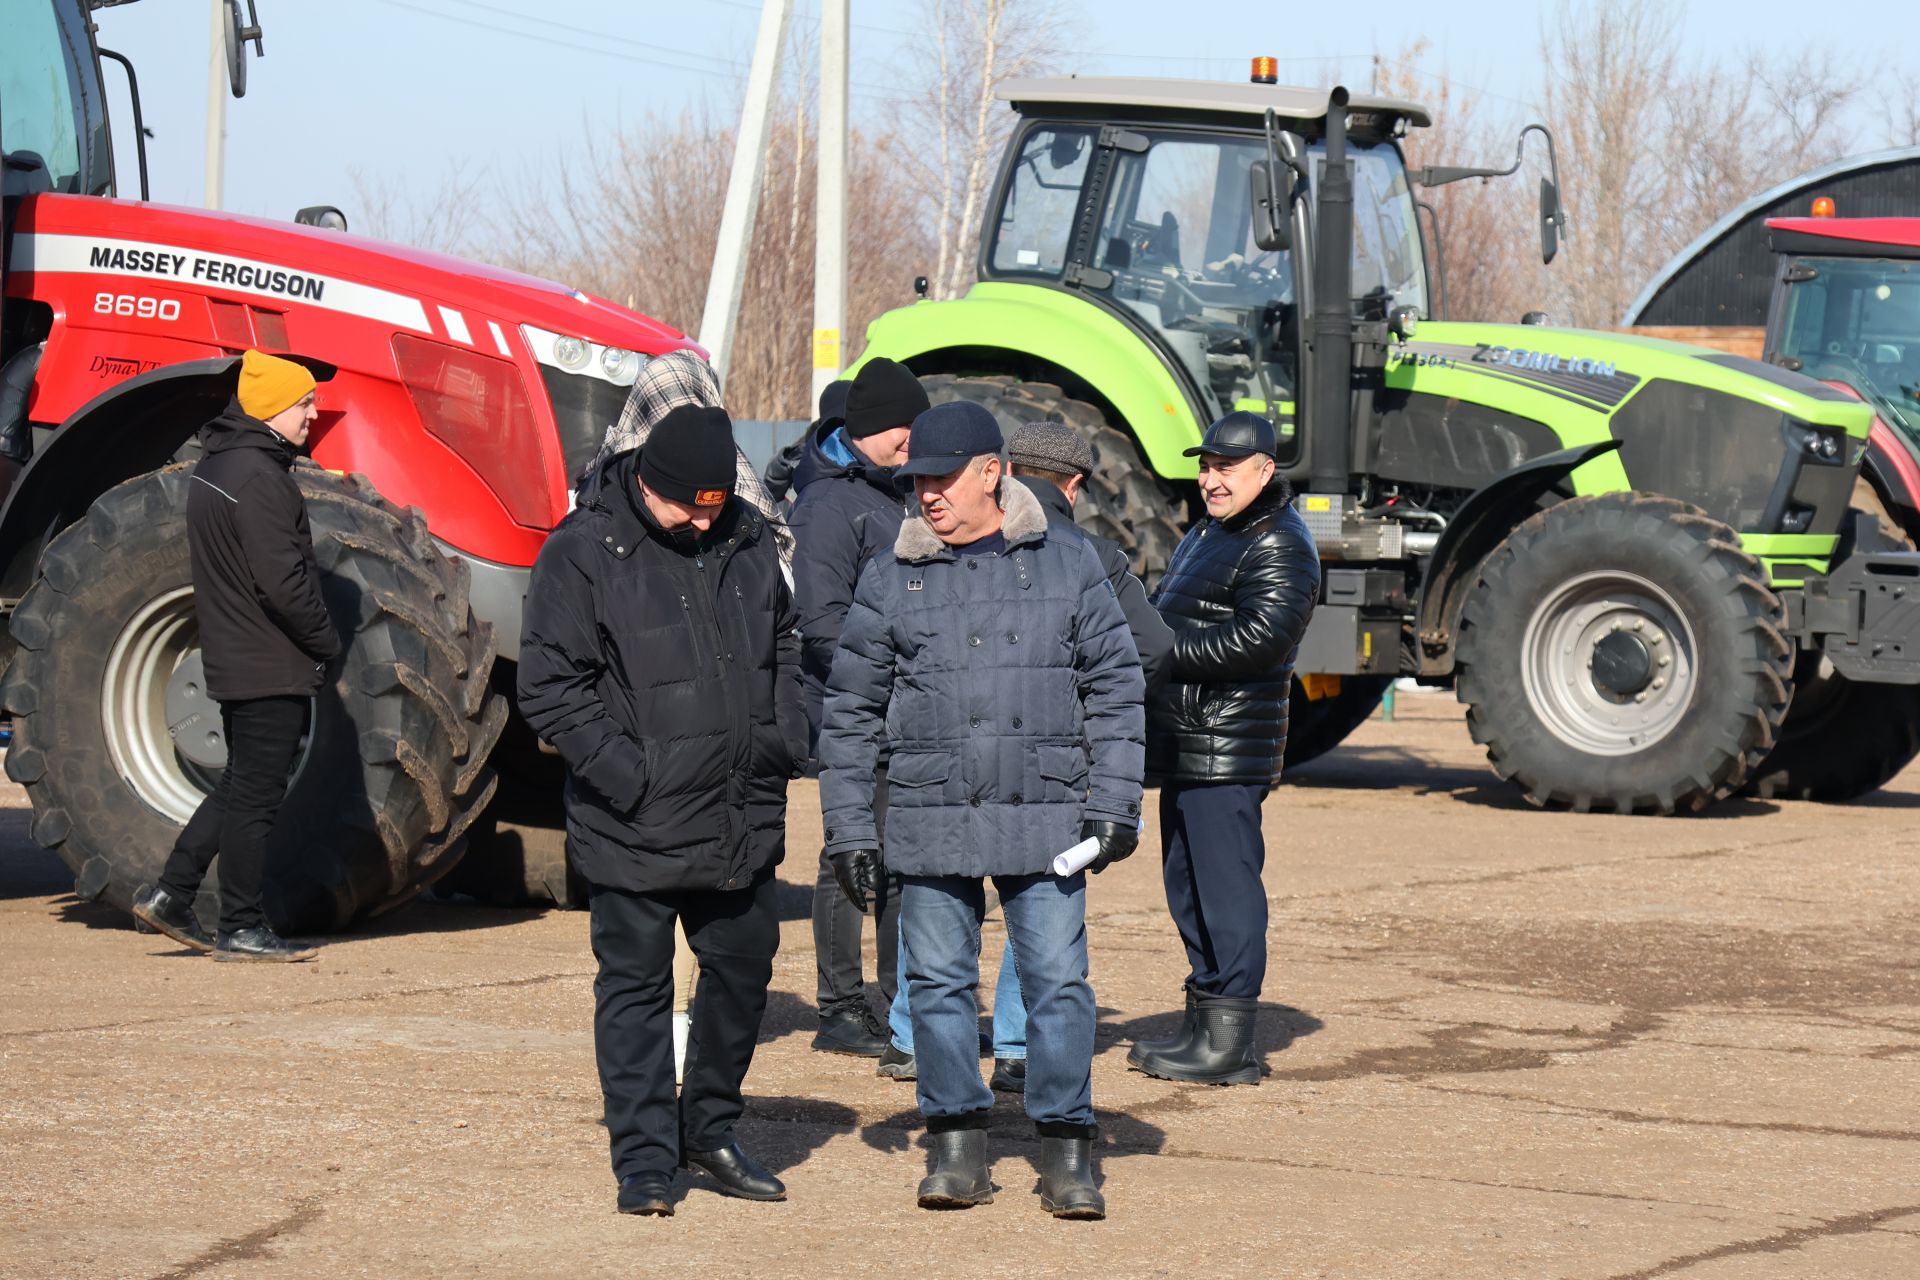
729 279
217 106
830 210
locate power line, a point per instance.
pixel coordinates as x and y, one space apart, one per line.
870 92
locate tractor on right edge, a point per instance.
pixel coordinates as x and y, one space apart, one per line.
1846 311
1623 553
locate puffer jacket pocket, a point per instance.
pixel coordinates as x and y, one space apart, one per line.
920 779
1062 772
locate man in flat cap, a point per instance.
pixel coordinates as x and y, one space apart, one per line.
661 658
266 640
990 651
1238 593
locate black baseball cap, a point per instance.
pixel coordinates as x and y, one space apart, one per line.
948 436
1238 435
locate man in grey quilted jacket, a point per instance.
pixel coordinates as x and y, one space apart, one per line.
993 654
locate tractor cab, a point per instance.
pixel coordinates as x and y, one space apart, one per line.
1139 194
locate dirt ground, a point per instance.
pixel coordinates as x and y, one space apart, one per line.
1500 1043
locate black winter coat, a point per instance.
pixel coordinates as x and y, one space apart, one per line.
1152 637
665 670
843 513
264 630
1239 594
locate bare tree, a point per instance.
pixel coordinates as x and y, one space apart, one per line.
446 217
952 130
1481 230
637 220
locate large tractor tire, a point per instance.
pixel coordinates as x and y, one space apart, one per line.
116 740
1316 726
1123 499
1621 652
1843 739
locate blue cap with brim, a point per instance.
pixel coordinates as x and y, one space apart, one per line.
948 436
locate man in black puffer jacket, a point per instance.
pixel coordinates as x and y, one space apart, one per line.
1239 593
661 658
266 641
847 508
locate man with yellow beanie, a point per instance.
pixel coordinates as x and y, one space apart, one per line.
266 640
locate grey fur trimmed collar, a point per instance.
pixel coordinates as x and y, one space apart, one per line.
1025 521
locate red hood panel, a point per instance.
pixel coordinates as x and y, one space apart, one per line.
383 277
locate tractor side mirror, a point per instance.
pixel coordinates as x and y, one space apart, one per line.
237 35
321 215
1550 220
1272 196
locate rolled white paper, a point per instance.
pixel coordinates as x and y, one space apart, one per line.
1074 859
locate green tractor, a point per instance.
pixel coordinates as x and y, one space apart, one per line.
1613 548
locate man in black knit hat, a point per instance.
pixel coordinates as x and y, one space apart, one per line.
661 658
845 508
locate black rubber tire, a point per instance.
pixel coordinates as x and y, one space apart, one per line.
1123 500
1316 726
511 863
1843 739
1744 660
396 767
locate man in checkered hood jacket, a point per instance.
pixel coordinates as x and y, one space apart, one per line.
667 382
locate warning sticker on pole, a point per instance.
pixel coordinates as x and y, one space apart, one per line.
93 255
826 349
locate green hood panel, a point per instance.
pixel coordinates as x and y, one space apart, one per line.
1596 370
1063 330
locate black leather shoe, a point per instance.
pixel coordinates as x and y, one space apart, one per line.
259 944
853 1030
896 1064
171 916
737 1174
1066 1175
647 1193
959 1178
1009 1075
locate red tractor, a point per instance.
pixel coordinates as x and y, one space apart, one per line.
1846 310
464 400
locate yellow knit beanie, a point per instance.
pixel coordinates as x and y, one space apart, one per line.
270 385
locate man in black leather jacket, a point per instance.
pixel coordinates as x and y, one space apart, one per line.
1238 593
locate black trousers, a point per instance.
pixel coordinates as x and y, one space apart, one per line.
837 924
236 820
1214 854
734 934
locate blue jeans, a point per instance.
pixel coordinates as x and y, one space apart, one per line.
1009 1011
940 941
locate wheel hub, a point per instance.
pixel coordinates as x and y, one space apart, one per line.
1622 664
1609 663
193 718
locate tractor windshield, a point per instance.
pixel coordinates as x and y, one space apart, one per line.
1857 321
52 112
1175 234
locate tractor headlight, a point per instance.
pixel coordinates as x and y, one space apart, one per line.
570 353
620 365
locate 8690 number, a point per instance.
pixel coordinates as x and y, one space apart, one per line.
135 306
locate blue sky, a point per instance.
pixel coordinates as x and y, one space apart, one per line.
404 89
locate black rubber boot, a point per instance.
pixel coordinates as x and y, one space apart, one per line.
1066 1172
1221 1051
1175 1043
959 1177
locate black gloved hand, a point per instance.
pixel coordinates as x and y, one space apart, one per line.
861 876
1117 840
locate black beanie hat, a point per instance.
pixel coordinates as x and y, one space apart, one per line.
833 399
688 457
885 394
